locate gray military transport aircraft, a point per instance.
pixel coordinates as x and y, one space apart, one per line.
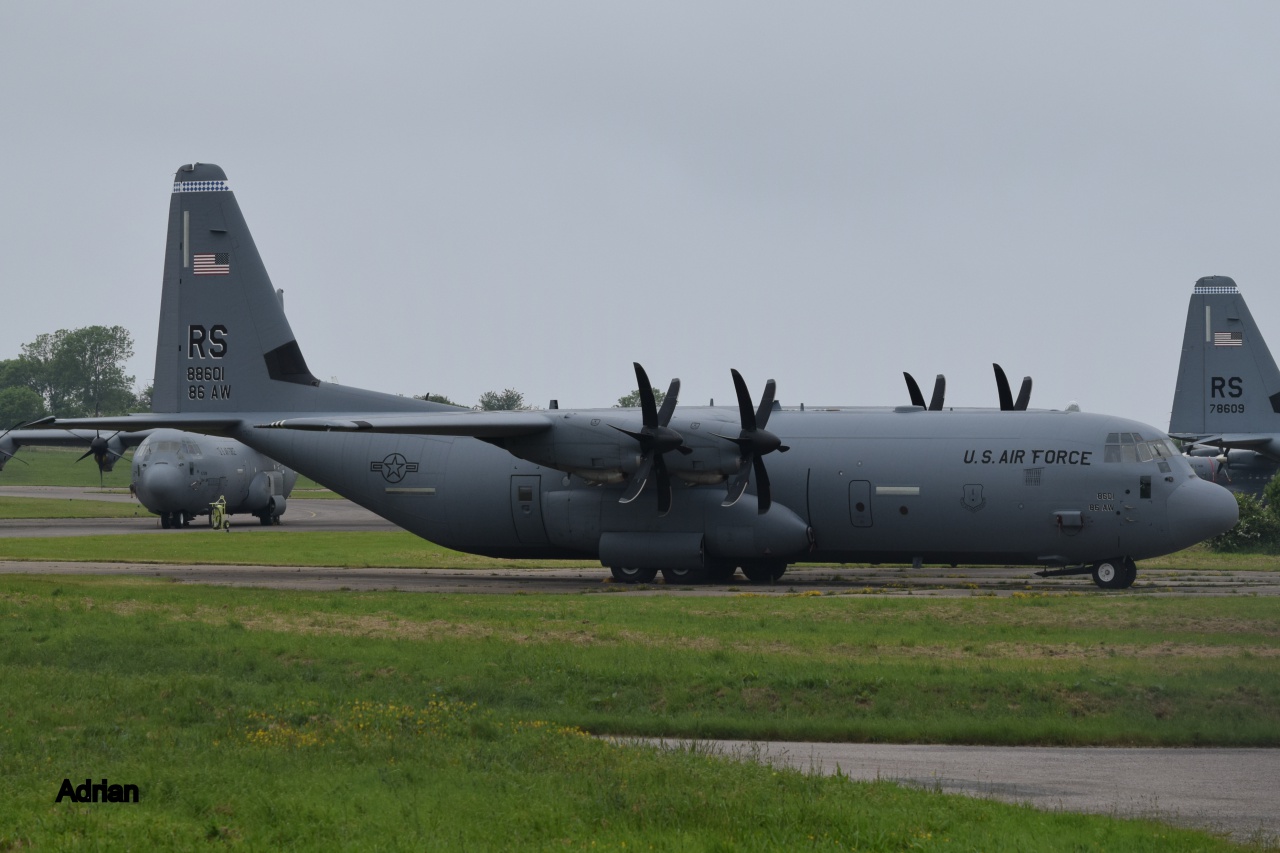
1227 402
683 491
177 475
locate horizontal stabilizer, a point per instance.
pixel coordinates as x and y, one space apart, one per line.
473 424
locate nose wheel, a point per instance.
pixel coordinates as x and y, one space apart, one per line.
1115 574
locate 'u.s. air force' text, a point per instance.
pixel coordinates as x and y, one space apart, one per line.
204 344
1025 457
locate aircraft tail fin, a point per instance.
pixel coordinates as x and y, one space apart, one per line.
1228 383
224 342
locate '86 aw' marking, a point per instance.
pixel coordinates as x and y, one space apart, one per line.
394 467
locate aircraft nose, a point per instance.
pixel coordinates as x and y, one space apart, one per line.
163 488
1199 509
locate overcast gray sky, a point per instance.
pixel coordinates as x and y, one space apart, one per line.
472 196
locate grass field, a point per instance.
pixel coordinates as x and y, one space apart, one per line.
267 719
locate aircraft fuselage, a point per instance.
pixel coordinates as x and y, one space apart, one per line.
1034 488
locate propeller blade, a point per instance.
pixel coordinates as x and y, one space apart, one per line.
669 403
766 404
917 399
746 413
648 408
1002 386
663 486
764 498
636 485
737 486
1024 395
939 394
87 453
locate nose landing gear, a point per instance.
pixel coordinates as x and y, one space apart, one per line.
1115 574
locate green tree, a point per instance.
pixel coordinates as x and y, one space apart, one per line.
19 405
142 400
80 372
1258 529
436 398
632 400
499 401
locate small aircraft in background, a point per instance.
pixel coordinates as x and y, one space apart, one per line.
681 490
175 474
1227 401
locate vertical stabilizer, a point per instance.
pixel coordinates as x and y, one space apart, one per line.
224 344
1228 384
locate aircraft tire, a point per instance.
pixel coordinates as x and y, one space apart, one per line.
165 521
630 575
1129 574
1109 574
764 572
685 576
265 519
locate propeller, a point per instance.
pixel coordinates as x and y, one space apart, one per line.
655 438
917 399
1007 403
8 452
101 453
754 442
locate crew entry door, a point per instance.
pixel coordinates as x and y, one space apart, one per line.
526 508
860 503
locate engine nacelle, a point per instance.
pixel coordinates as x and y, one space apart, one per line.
7 448
587 445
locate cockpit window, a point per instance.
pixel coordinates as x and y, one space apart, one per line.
1130 447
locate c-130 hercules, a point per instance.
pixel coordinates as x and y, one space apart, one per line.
693 492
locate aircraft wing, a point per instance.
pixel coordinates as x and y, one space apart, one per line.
64 438
473 424
193 422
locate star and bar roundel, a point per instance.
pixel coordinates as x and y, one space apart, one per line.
393 467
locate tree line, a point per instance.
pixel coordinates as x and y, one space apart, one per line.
511 400
71 373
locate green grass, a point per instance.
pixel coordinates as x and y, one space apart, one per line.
1069 670
57 466
68 508
269 719
249 543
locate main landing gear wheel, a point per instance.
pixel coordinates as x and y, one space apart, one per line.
1115 574
764 572
629 575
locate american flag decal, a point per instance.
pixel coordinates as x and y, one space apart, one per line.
209 263
1228 339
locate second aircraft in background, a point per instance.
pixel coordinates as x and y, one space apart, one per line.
178 475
